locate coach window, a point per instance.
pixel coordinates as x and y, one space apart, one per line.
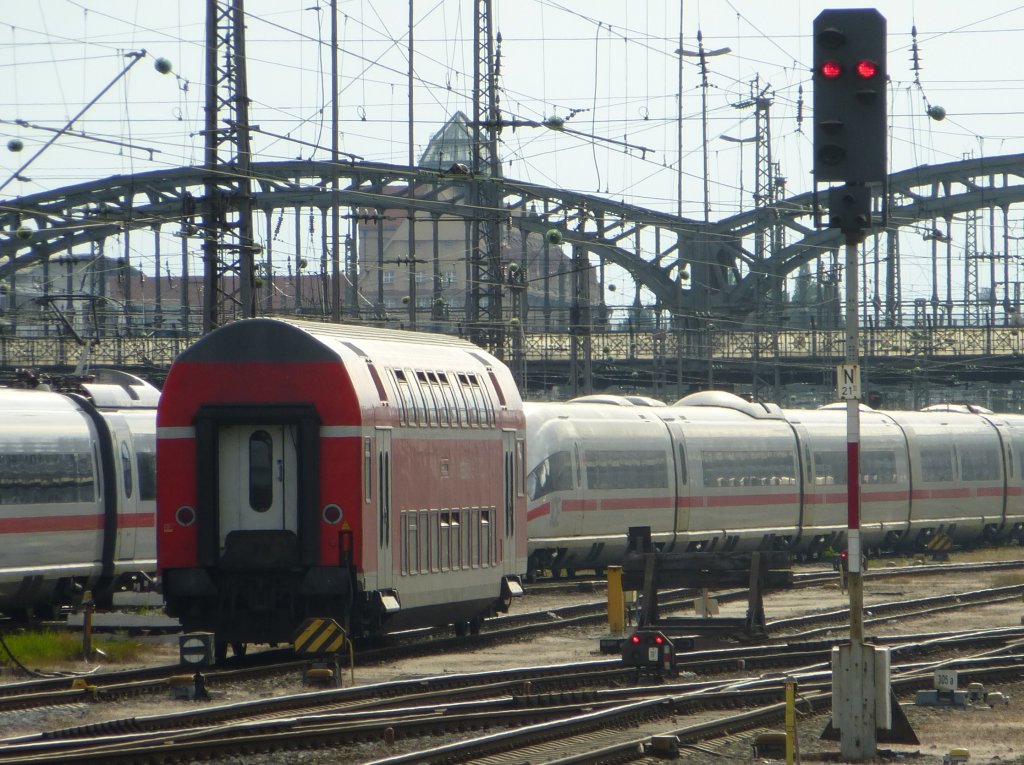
456 544
979 464
472 540
126 468
467 394
483 404
424 540
408 404
937 464
409 562
830 468
485 537
443 410
446 540
449 399
261 473
878 467
145 458
620 469
520 466
367 469
420 399
459 392
429 406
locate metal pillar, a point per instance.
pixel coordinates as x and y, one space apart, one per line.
483 301
228 247
893 289
972 306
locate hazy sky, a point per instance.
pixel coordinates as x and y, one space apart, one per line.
609 67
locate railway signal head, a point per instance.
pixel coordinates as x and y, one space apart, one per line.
849 96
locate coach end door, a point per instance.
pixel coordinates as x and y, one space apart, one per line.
258 479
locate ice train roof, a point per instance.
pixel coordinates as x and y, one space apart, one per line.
616 400
724 400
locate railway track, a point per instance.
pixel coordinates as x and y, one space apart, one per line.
364 716
531 707
109 686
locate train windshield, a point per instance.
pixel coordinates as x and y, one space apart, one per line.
554 473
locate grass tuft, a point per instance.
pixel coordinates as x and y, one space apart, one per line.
49 648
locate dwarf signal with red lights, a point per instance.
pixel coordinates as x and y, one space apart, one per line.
649 649
849 96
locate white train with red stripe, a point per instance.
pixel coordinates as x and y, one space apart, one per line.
715 472
77 490
373 476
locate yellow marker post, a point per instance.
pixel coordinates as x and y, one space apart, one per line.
88 606
791 747
616 601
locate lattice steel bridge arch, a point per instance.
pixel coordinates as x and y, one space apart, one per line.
692 269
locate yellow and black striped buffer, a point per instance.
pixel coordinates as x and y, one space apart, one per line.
319 636
940 542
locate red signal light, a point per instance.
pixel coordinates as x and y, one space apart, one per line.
830 70
843 554
866 69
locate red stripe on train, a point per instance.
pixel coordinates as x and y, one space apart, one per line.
54 523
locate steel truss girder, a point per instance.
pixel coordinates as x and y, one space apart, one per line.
618 233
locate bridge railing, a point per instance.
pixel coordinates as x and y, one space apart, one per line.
159 352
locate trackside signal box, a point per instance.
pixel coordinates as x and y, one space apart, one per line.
650 650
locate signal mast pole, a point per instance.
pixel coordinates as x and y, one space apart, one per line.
850 130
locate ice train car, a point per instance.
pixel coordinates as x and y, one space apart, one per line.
716 472
77 490
373 476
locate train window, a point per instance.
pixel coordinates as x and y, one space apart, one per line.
405 405
877 467
367 469
472 540
621 469
456 544
520 466
126 469
377 383
554 473
424 540
459 393
980 464
443 410
145 459
429 405
409 398
261 471
510 481
830 468
483 403
411 546
486 531
449 399
51 478
445 539
682 465
773 467
937 463
497 388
